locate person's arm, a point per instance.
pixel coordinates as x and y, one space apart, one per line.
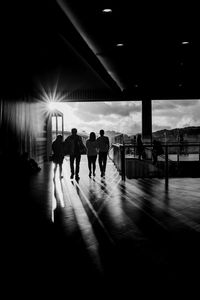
53 146
82 148
66 146
108 144
97 145
81 141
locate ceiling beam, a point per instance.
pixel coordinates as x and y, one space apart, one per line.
85 48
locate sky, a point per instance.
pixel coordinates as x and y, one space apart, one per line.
125 117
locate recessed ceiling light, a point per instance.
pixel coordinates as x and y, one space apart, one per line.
185 43
107 10
120 45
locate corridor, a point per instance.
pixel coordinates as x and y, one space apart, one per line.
99 237
103 233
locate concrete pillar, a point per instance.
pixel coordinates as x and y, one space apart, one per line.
49 136
56 124
146 120
63 127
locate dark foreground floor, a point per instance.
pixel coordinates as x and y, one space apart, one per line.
100 237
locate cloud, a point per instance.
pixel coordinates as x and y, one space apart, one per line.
185 103
176 113
158 105
87 116
126 124
125 116
107 108
173 104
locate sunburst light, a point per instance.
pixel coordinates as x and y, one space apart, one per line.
49 99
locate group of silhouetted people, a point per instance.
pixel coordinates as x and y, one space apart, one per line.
74 147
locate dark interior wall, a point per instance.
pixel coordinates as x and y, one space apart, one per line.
22 129
38 49
39 46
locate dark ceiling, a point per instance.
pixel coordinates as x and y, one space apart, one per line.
76 42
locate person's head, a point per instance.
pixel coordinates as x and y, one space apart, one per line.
139 137
59 137
101 132
92 136
74 131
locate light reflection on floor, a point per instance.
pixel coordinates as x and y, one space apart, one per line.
132 223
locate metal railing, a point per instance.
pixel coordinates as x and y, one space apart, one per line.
173 152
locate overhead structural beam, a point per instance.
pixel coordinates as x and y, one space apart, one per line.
86 48
89 95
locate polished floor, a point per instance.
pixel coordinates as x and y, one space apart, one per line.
101 234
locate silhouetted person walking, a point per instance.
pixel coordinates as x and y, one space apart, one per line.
58 153
103 146
140 146
92 147
74 147
157 150
181 141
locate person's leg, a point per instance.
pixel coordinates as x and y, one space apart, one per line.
60 168
100 162
72 165
55 168
78 158
94 164
139 155
104 162
89 164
